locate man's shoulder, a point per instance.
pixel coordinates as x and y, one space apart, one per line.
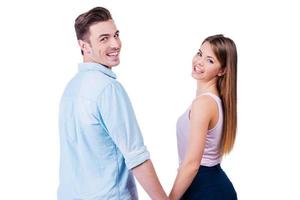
98 77
90 85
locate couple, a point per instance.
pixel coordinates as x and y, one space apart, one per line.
101 145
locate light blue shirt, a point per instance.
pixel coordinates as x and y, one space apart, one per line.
100 140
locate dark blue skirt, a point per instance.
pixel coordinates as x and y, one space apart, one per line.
210 183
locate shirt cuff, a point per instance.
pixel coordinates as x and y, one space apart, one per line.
136 158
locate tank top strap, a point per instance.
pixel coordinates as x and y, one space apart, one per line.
220 108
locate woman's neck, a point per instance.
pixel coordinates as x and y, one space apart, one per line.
206 87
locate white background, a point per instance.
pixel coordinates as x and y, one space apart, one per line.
39 54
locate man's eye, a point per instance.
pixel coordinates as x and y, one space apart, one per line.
103 39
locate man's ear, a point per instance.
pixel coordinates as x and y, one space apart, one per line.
84 46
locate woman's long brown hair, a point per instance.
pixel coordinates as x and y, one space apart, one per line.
225 51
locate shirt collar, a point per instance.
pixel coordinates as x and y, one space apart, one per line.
89 66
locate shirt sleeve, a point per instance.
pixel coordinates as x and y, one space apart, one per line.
118 116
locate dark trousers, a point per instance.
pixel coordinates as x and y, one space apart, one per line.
210 183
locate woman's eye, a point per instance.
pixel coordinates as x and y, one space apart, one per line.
210 61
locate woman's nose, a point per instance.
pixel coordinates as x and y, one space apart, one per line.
200 61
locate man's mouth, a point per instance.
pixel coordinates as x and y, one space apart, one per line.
113 54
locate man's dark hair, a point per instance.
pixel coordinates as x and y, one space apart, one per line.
85 20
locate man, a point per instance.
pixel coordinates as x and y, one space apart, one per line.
101 143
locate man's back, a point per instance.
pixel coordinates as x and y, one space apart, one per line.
92 165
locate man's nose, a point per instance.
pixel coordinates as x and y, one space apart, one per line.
115 43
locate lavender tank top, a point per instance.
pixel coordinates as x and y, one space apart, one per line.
211 155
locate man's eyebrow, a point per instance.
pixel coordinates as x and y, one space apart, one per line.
107 34
103 35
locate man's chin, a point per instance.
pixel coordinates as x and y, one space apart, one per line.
110 64
113 64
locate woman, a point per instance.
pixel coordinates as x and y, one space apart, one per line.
206 131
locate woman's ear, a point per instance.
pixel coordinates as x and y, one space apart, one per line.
222 71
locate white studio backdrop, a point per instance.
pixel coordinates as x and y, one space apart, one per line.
39 55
